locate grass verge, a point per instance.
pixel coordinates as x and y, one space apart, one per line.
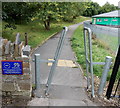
36 32
99 52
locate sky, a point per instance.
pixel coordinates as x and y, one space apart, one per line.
102 2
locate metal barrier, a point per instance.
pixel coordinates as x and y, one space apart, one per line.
38 60
90 63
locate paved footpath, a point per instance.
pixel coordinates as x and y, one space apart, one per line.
68 85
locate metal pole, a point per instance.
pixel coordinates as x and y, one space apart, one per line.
86 55
104 74
37 71
114 74
91 62
59 43
56 60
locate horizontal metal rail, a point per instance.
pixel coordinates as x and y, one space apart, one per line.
46 61
96 63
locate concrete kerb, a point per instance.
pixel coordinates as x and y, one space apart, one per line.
34 49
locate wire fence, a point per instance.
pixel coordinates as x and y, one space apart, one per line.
108 35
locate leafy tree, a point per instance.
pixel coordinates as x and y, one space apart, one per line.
107 7
56 11
92 8
18 12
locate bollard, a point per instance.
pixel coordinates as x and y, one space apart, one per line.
37 71
104 74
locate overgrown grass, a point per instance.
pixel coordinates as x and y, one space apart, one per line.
35 30
99 52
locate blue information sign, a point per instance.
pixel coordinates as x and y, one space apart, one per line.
12 67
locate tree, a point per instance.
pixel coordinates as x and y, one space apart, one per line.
18 12
107 7
92 8
57 11
54 11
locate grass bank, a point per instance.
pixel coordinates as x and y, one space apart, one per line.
35 30
99 52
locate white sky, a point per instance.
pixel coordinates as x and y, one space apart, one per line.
102 2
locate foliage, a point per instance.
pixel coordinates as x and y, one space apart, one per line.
107 7
92 8
56 11
18 12
47 12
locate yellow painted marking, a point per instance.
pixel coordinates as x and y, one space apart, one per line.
70 63
50 64
64 63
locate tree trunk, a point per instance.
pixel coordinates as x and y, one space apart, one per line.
47 25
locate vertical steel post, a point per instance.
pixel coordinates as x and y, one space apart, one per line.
104 74
57 54
91 62
86 55
37 71
114 74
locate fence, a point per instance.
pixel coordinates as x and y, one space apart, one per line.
108 35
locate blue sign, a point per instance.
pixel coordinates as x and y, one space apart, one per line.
12 67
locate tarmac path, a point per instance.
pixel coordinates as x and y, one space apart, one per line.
68 84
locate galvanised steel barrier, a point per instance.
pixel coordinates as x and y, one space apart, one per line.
38 60
90 63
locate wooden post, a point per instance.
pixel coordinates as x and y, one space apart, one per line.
26 39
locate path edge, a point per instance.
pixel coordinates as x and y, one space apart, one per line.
34 49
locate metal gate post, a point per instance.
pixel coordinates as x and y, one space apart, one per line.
57 54
91 62
37 71
104 74
86 54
